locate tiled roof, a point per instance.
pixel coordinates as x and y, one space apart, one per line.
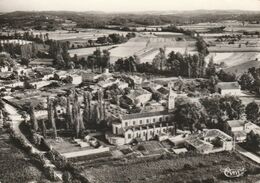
235 123
137 93
228 85
163 91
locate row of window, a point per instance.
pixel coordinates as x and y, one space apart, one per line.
147 121
145 133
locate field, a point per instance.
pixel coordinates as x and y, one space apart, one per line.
230 26
145 46
16 165
241 68
168 169
233 58
82 35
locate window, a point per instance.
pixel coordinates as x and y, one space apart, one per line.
133 122
144 133
141 122
160 119
126 124
129 136
147 120
153 119
166 118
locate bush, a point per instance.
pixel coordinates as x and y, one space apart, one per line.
66 177
188 167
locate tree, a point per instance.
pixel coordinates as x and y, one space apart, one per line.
246 81
160 59
211 69
226 77
86 119
96 114
59 61
69 118
252 111
213 81
25 61
98 58
105 59
78 123
202 46
51 116
233 106
221 108
33 118
66 177
156 96
253 140
189 115
43 129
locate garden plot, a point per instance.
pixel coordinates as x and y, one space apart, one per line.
168 169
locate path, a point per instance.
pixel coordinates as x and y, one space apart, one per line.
248 154
16 120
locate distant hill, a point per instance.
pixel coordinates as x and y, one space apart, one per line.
146 18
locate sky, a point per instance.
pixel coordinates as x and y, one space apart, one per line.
127 5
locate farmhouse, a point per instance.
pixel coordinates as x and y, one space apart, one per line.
137 80
108 82
236 128
75 79
228 88
239 129
139 96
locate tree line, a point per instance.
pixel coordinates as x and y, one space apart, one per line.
175 64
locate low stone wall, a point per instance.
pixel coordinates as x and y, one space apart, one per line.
85 152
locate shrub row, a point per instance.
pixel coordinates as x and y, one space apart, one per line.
35 156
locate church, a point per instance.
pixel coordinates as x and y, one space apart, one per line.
144 126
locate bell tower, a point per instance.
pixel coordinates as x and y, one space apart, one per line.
171 98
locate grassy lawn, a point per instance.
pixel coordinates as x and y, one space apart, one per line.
168 169
15 165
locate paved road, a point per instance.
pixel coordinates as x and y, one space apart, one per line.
248 154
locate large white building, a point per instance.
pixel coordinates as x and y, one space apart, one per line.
143 126
228 88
